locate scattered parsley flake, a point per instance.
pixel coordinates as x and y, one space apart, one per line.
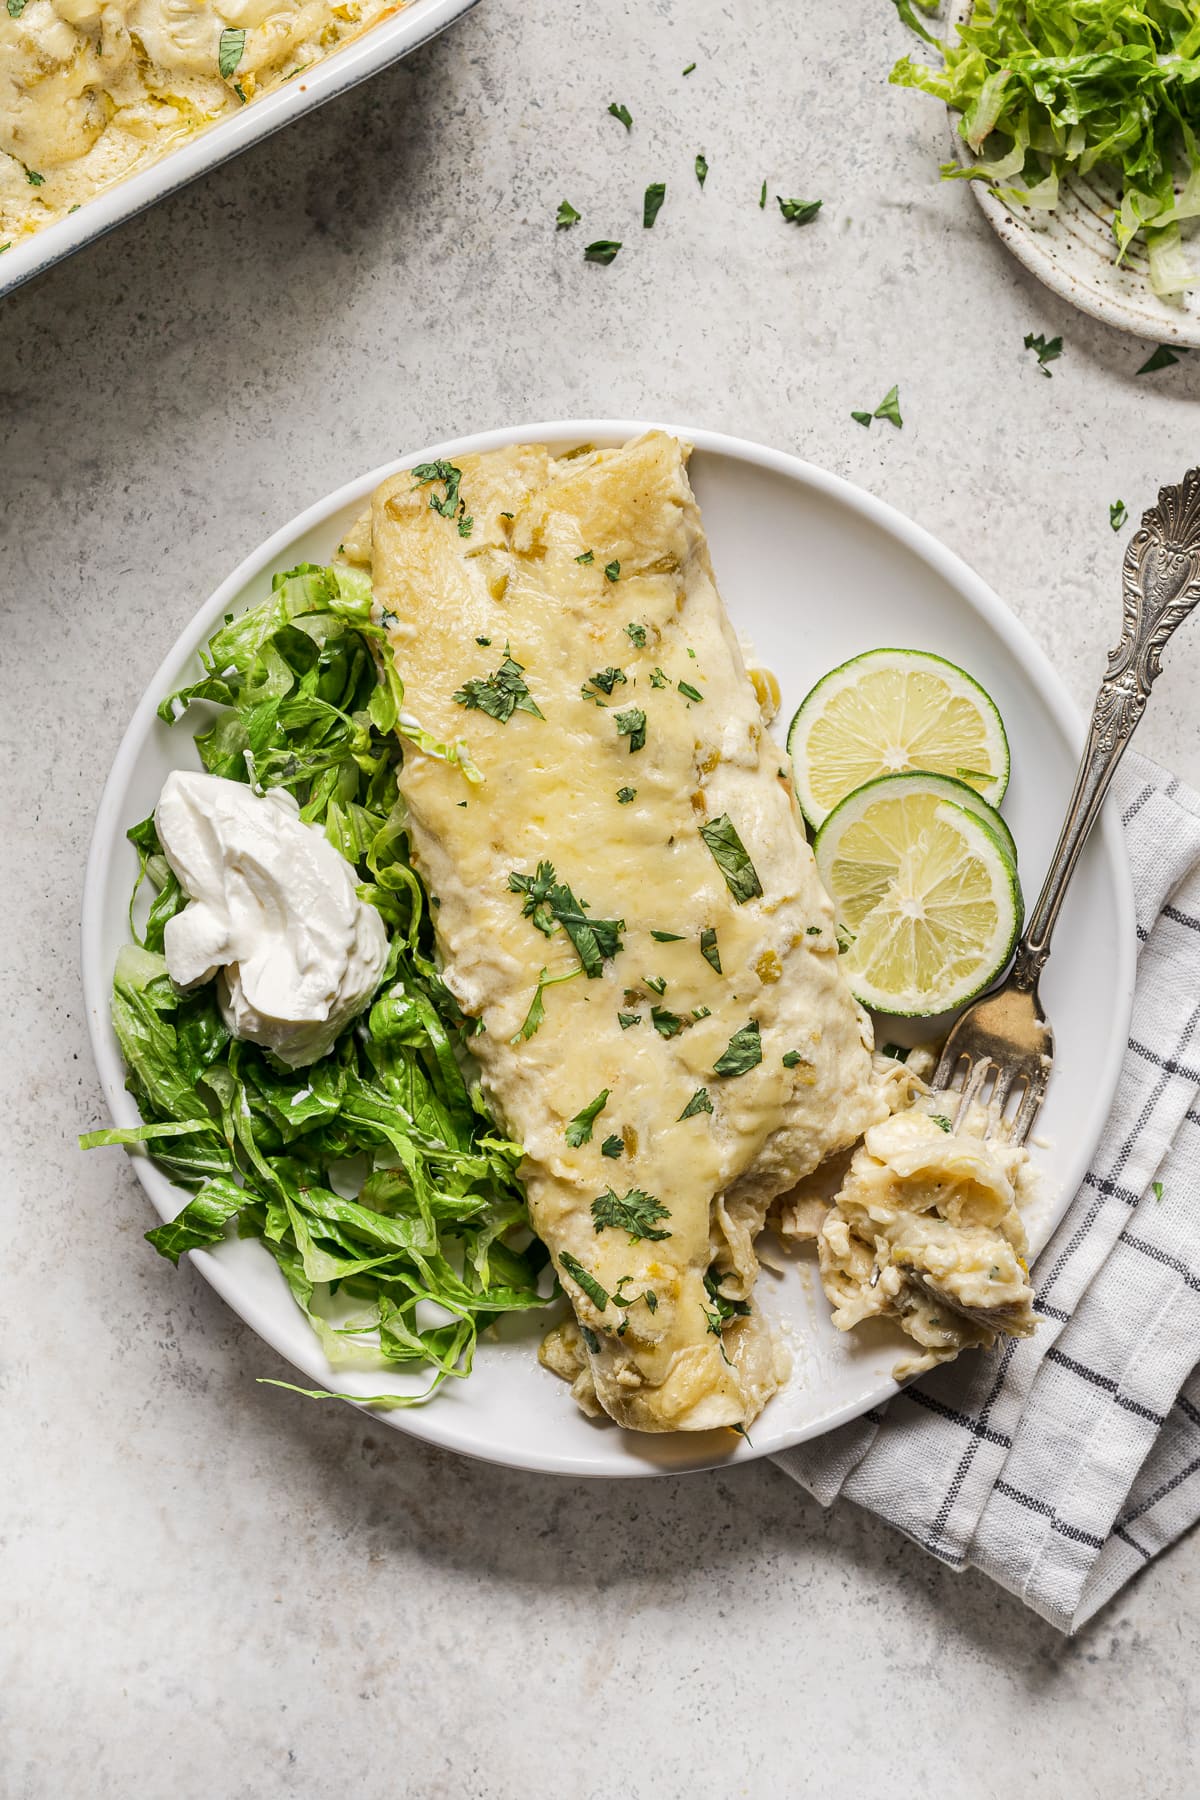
607 679
590 1286
1156 1188
861 418
579 1130
625 1020
665 1022
1046 350
726 1309
791 1058
34 179
666 937
1162 358
612 571
636 635
744 1052
699 1103
942 1122
729 853
231 47
450 478
689 692
651 1299
589 1337
657 679
656 193
812 931
612 1146
636 1212
623 113
1117 516
549 902
626 794
566 216
537 1009
15 9
656 984
889 408
799 212
709 950
632 724
486 642
589 556
501 694
702 1012
687 71
603 251
762 197
701 168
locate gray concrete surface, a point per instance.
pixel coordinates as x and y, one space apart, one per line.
215 1589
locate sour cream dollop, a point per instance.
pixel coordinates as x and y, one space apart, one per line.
273 915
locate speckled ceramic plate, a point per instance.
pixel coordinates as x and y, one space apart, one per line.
813 571
1071 250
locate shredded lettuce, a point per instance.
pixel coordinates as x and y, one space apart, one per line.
375 1177
1053 88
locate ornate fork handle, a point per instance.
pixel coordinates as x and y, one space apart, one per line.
1161 585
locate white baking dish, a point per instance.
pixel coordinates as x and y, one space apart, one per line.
385 43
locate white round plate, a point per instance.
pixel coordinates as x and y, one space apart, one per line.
813 571
1071 250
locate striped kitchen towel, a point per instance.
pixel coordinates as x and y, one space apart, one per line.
1062 1464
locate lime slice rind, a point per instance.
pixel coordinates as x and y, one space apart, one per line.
891 711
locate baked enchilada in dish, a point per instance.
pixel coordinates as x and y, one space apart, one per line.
92 90
625 903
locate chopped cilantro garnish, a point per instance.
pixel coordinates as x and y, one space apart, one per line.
579 1130
632 724
666 1023
501 694
729 853
889 408
626 794
486 642
656 984
625 1020
897 1052
699 1103
701 168
603 250
623 113
34 179
791 1058
812 931
231 46
612 1146
590 1286
861 418
655 194
942 1122
1117 516
702 1012
743 1053
1162 358
1156 1188
709 950
566 216
666 937
607 679
636 635
549 902
762 197
15 9
688 691
589 1337
537 1010
612 570
651 1299
589 556
657 679
687 71
636 1212
798 212
726 1309
1047 350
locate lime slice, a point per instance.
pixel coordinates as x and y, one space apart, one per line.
926 893
959 793
890 711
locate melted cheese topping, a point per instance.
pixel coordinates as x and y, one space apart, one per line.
926 1228
92 90
551 793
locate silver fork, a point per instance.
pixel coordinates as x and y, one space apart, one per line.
1006 1034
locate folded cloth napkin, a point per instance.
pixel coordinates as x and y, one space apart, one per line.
1062 1464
